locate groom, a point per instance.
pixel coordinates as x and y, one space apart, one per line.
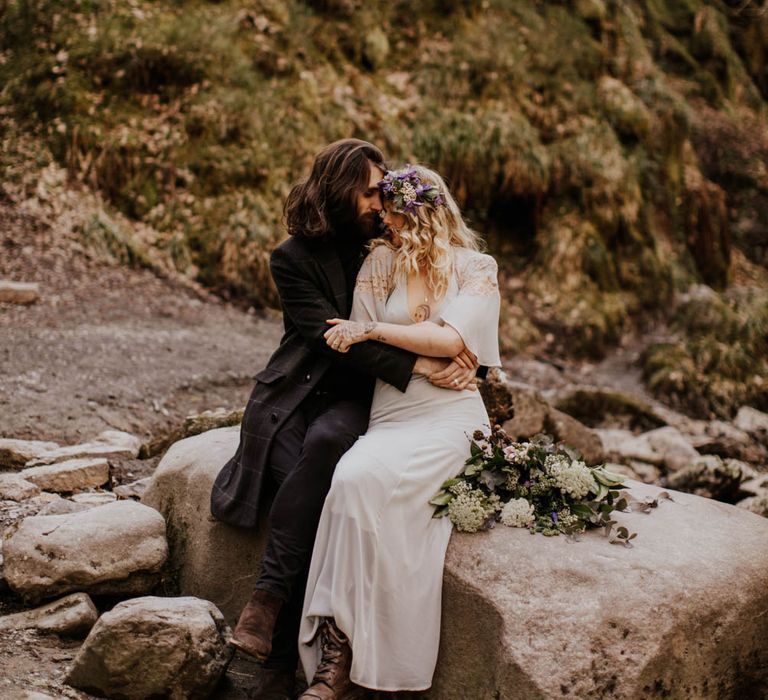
310 404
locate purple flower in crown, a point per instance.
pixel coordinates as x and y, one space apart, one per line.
407 192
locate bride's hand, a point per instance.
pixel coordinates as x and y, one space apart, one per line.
455 376
343 334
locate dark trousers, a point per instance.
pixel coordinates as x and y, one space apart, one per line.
303 457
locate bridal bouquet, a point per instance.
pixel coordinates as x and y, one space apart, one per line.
532 485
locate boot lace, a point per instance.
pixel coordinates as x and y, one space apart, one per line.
332 644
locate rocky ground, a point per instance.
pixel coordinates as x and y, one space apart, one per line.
113 348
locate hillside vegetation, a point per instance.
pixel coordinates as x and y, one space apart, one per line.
612 152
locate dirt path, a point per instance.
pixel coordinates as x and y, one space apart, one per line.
110 347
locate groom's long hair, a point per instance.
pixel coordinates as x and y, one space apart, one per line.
327 200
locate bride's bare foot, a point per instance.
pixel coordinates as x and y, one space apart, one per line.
331 680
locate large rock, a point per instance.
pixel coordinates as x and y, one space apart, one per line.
523 413
67 477
519 408
530 617
110 443
203 551
677 616
623 445
193 425
672 446
598 407
14 454
154 647
73 616
752 421
115 548
571 432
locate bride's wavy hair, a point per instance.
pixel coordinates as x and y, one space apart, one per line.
327 199
430 232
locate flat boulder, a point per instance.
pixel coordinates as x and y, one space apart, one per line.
69 476
116 548
109 443
19 292
680 614
14 487
71 616
154 647
14 454
204 552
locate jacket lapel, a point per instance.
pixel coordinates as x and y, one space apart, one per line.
330 264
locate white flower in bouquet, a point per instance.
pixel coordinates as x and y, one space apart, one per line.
469 510
554 464
517 513
573 478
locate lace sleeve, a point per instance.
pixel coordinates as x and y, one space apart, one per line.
474 312
373 285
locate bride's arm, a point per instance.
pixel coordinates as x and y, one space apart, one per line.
425 338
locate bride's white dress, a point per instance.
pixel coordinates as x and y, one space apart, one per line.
377 565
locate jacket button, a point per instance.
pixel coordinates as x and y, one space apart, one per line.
308 377
273 417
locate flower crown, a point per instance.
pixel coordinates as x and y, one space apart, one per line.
406 190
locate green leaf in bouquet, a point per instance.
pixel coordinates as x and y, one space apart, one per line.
582 510
475 450
602 476
472 469
440 512
443 498
450 482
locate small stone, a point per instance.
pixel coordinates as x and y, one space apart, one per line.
94 498
14 487
62 506
14 454
19 292
634 469
135 489
69 476
154 647
71 616
110 443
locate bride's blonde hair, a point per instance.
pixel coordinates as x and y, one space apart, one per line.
430 232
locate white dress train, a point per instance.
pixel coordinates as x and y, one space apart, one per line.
377 564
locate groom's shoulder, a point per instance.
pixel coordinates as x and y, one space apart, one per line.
295 248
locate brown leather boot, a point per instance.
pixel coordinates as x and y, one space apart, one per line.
253 633
331 680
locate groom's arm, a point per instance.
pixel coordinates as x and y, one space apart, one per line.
309 310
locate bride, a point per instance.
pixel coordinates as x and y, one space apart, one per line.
372 607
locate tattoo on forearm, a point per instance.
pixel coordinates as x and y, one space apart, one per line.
352 331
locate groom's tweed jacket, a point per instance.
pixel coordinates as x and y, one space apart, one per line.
312 287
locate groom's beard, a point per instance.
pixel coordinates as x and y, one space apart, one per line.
369 226
364 227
